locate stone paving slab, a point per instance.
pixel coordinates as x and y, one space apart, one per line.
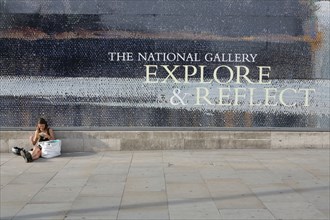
178 184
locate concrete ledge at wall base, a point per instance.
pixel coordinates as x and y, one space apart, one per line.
95 141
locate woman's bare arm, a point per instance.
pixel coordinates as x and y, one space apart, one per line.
51 134
35 137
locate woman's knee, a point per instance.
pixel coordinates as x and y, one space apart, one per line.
36 153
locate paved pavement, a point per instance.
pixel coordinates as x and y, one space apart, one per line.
215 184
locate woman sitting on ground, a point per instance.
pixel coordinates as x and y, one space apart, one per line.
42 133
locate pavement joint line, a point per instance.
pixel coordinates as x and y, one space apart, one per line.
122 196
82 188
165 185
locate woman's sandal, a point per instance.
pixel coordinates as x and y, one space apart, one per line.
26 155
16 150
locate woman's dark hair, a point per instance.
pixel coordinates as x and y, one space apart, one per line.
43 121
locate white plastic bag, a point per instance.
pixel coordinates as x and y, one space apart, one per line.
50 148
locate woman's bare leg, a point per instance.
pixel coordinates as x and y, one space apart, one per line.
36 152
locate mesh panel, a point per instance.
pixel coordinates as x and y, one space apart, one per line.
55 62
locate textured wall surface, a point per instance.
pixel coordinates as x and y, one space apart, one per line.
80 141
58 60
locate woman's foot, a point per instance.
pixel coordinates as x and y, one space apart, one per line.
17 150
26 155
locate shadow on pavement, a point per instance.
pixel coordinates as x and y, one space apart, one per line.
155 204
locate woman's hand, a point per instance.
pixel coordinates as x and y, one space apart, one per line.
45 135
35 137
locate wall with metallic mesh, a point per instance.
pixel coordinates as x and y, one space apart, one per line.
165 63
